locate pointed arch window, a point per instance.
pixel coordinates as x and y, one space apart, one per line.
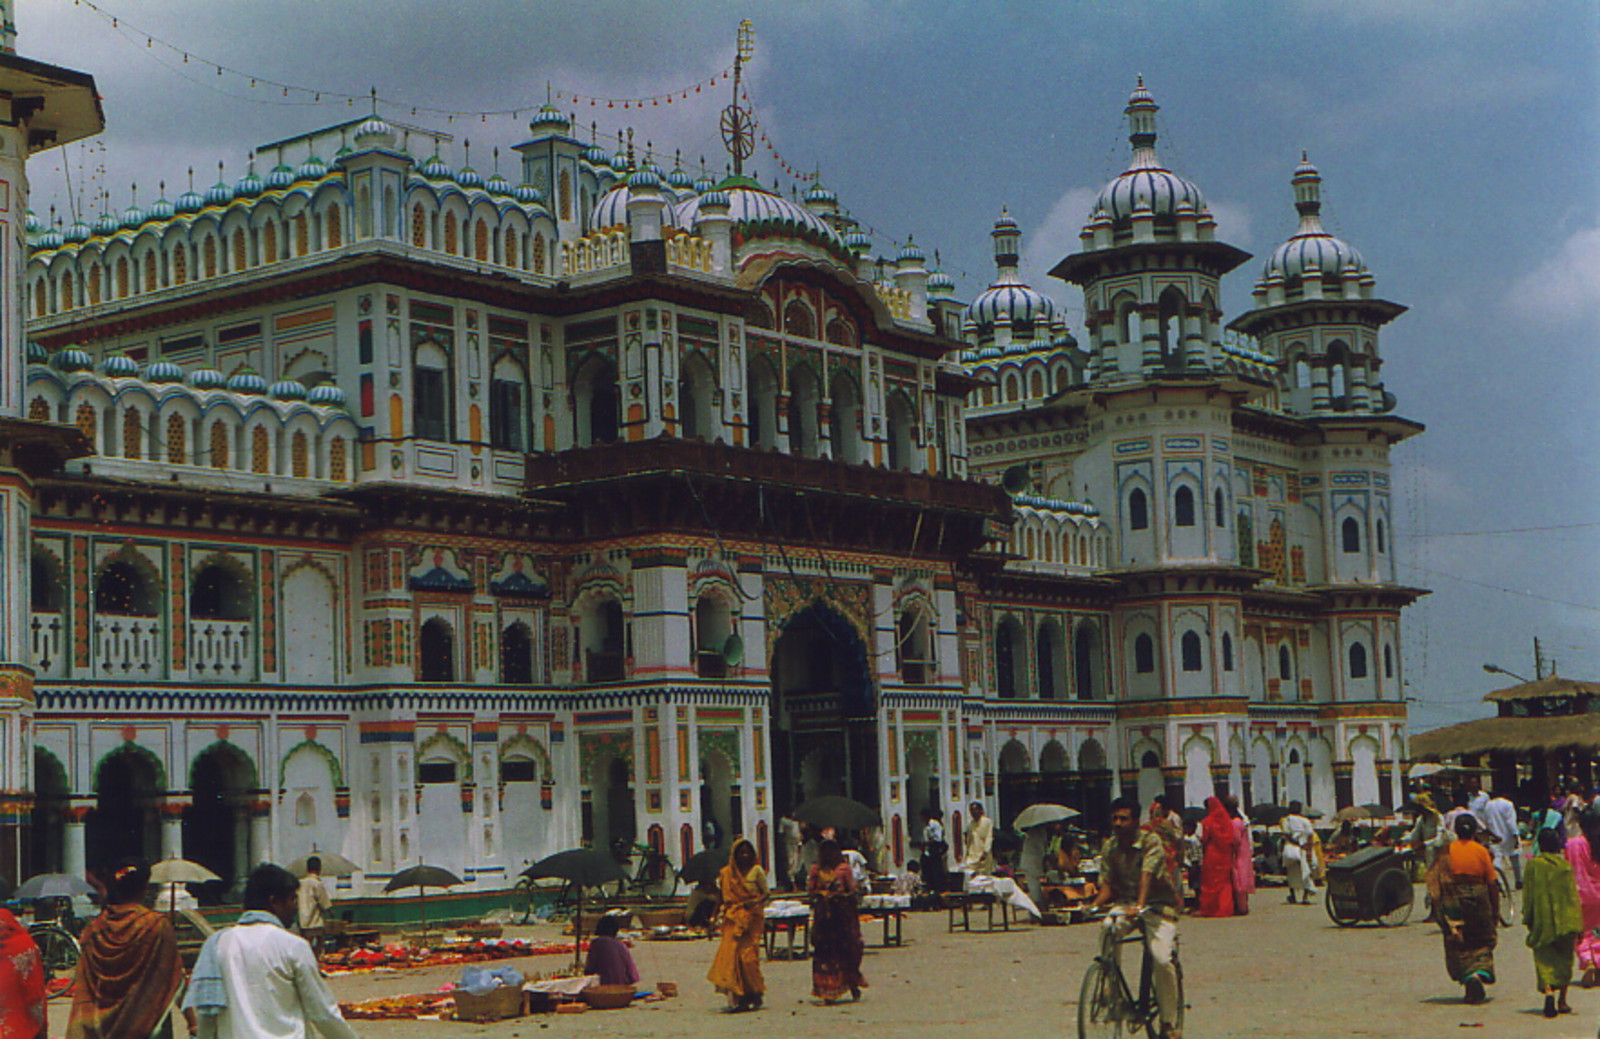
338 461
208 253
333 226
1388 661
85 421
1227 651
419 226
1144 654
1285 664
132 433
450 233
1183 507
299 455
538 254
269 243
260 451
241 252
1350 534
1138 509
1219 506
219 445
564 194
1358 660
1189 650
1378 538
177 440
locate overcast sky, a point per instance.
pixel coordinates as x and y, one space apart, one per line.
1457 143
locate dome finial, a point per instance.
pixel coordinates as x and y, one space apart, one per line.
1141 113
1307 190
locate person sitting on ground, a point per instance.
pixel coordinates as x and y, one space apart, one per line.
608 955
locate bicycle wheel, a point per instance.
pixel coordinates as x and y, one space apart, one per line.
1509 904
1103 1008
522 901
58 949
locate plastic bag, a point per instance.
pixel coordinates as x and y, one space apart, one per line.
481 981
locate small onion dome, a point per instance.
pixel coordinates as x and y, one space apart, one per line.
595 155
189 202
311 169
1312 251
288 389
280 176
51 239
207 379
163 372
612 209
72 359
218 194
37 354
435 168
619 161
703 185
78 231
527 194
33 223
326 395
106 224
549 119
497 185
714 200
344 149
250 185
247 380
161 209
644 178
374 133
858 242
1146 183
819 194
941 285
133 217
469 178
119 366
680 180
910 253
990 353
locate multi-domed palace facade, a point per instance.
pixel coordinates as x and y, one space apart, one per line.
373 505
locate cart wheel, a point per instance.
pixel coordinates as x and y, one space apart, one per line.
1332 907
1392 898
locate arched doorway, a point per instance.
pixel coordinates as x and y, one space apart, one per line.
1017 783
824 731
50 793
922 788
612 824
124 821
216 826
718 795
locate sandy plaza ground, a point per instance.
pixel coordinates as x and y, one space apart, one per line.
1283 971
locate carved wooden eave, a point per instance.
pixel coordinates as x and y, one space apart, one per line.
180 507
389 506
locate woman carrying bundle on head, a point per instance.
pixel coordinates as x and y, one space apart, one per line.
129 973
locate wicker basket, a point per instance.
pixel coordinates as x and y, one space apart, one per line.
667 916
608 997
495 1005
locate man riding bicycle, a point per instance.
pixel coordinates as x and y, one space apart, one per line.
1134 872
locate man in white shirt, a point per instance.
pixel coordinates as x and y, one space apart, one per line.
1500 818
256 980
314 903
1298 854
980 842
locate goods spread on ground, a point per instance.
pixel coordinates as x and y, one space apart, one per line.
400 956
399 1008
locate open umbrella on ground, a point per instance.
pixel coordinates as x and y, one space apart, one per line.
420 877
52 885
333 864
583 867
1039 814
841 813
175 871
1193 814
1267 814
704 866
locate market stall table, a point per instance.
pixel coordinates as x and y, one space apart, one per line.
892 910
790 918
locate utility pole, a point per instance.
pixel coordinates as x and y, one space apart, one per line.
1538 659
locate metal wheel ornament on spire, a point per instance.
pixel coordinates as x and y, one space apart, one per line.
737 127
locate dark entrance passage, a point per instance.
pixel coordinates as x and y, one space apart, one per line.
124 820
824 716
216 826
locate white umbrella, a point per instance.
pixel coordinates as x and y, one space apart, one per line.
1038 815
333 864
175 871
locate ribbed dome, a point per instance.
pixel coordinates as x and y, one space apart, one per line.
469 178
819 194
280 176
37 354
1146 183
288 389
1008 299
704 184
163 372
312 169
133 217
249 185
72 359
644 178
680 180
858 242
78 231
910 253
754 207
374 133
326 395
1312 250
51 238
33 224
497 185
527 194
106 224
161 209
207 379
119 366
941 285
218 194
435 168
595 155
549 119
247 381
612 209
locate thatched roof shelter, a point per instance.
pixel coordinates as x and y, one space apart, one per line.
1545 688
1558 732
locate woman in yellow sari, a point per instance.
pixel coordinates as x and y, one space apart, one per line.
736 971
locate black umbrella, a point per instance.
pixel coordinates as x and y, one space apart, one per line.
1267 815
420 877
1193 814
841 813
704 866
584 867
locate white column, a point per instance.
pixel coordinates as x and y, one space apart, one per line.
74 853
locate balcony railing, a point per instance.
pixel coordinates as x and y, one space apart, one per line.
220 650
128 647
48 638
602 667
710 663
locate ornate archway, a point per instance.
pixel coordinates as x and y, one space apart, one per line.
824 710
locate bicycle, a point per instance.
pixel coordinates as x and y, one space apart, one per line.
1107 1007
650 867
58 947
1509 897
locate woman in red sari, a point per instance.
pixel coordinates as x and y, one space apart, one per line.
836 945
1220 841
129 972
21 983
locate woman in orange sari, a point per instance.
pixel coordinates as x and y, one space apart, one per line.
736 971
129 972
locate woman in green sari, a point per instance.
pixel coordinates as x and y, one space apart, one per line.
1554 920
